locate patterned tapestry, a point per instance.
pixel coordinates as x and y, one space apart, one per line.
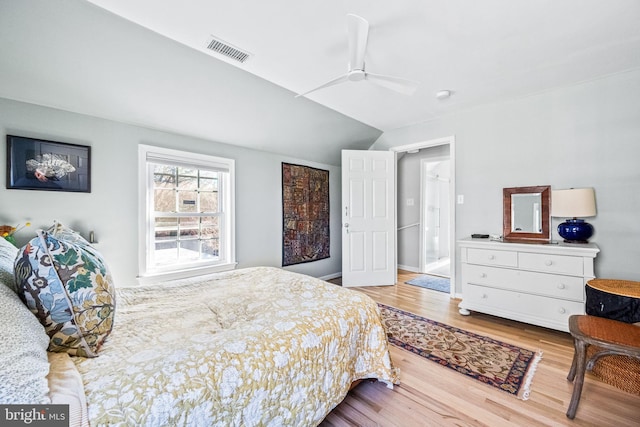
305 214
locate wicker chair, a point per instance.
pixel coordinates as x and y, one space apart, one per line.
611 336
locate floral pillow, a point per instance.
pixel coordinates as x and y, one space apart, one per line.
65 282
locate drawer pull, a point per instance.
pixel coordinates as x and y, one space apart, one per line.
561 286
562 310
491 257
483 275
484 296
548 262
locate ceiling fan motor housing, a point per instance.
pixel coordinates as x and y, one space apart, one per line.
357 75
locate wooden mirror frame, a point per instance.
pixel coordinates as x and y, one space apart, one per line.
507 234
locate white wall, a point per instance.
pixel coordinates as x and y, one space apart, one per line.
111 207
586 135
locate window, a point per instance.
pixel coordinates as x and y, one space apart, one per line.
187 203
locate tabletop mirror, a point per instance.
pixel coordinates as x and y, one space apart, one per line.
526 213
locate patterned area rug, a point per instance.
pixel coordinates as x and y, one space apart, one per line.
504 366
440 284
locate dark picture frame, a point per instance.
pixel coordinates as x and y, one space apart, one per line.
40 164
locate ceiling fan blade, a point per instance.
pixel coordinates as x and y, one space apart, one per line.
340 79
357 32
404 86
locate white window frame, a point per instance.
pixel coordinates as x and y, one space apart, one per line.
149 155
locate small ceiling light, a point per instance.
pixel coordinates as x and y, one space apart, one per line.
443 94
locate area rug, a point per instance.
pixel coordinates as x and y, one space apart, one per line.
440 284
504 366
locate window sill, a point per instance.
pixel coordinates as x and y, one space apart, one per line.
184 274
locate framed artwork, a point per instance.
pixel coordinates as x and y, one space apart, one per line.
38 164
305 214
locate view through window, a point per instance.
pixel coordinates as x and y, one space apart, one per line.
187 214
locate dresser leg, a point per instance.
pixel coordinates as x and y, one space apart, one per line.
463 310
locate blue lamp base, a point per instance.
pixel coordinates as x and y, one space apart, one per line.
575 231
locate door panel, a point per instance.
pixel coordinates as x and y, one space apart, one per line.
357 251
380 255
368 223
357 198
380 196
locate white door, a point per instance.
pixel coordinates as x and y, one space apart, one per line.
368 218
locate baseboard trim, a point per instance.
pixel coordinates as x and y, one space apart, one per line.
331 276
408 268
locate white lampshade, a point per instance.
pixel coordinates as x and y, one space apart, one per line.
573 203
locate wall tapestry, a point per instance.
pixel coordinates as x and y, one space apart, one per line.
305 214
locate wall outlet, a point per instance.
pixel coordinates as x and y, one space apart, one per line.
460 199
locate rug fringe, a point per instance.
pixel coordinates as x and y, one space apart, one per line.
526 387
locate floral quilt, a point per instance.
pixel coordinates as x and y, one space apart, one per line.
252 347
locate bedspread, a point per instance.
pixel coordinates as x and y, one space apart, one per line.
257 346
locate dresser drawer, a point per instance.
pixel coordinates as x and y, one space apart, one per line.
551 263
535 309
557 286
491 257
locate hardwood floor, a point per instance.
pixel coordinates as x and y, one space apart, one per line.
431 395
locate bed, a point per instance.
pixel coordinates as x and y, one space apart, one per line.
255 346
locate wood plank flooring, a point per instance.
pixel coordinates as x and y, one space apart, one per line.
431 395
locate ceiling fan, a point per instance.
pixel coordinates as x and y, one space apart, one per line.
358 32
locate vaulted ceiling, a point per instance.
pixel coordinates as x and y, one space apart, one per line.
146 62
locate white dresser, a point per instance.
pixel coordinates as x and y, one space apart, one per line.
541 284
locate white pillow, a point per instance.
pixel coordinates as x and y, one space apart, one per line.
66 388
23 353
8 254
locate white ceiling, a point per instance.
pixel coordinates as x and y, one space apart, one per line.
483 51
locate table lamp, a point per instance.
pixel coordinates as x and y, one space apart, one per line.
574 203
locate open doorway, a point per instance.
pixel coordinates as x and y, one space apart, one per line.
426 208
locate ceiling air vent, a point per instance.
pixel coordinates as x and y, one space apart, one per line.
224 48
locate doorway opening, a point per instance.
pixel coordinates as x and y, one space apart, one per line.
435 199
426 230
